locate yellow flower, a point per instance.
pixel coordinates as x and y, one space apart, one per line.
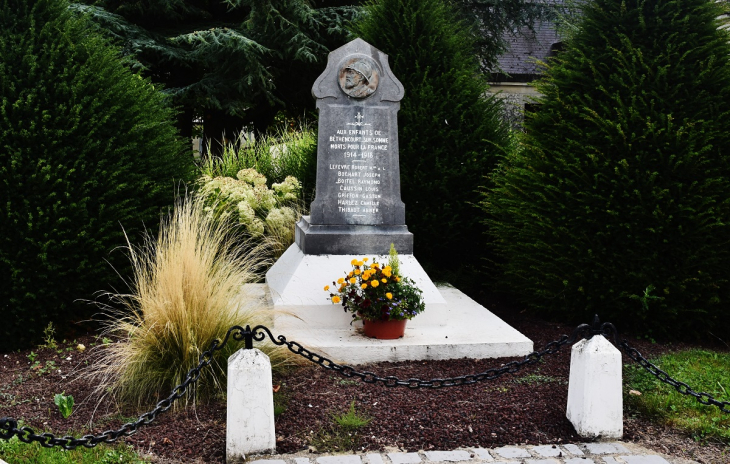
376 265
374 283
341 280
342 287
359 263
385 281
365 260
357 271
389 296
365 276
326 288
397 279
335 299
364 286
354 262
350 274
353 280
387 272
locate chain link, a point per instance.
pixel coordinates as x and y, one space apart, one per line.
260 332
681 387
9 427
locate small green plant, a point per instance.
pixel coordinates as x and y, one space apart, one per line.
393 260
704 371
31 356
347 382
351 420
343 433
50 366
48 337
281 402
536 379
65 404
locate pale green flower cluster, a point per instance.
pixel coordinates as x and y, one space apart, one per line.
289 189
279 221
247 199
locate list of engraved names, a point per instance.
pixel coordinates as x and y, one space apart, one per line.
358 168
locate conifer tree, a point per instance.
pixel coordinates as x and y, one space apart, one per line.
618 202
450 132
86 149
233 63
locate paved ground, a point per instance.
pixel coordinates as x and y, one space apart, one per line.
584 453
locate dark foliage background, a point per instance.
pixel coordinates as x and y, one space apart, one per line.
618 202
86 148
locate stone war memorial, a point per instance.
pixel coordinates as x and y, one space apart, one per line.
357 212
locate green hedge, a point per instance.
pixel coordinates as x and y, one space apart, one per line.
86 148
618 202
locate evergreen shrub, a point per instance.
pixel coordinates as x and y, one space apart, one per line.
450 132
618 202
86 149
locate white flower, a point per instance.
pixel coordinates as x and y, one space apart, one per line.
289 189
256 228
246 214
280 222
251 176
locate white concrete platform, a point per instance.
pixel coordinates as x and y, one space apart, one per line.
299 279
457 328
452 326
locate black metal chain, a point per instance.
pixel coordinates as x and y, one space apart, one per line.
681 387
9 426
582 331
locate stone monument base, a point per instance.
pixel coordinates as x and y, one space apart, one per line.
345 239
452 326
297 279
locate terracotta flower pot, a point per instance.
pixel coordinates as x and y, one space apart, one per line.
384 330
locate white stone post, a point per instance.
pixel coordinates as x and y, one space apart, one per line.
595 401
250 424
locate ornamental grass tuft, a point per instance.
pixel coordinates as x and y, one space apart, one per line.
186 292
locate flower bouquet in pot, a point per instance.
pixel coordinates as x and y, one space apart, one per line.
379 296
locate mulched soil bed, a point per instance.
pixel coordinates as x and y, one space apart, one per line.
525 408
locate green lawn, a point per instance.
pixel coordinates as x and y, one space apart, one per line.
17 452
703 371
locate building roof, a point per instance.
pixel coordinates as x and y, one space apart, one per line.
526 48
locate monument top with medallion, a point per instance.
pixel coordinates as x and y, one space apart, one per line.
357 208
